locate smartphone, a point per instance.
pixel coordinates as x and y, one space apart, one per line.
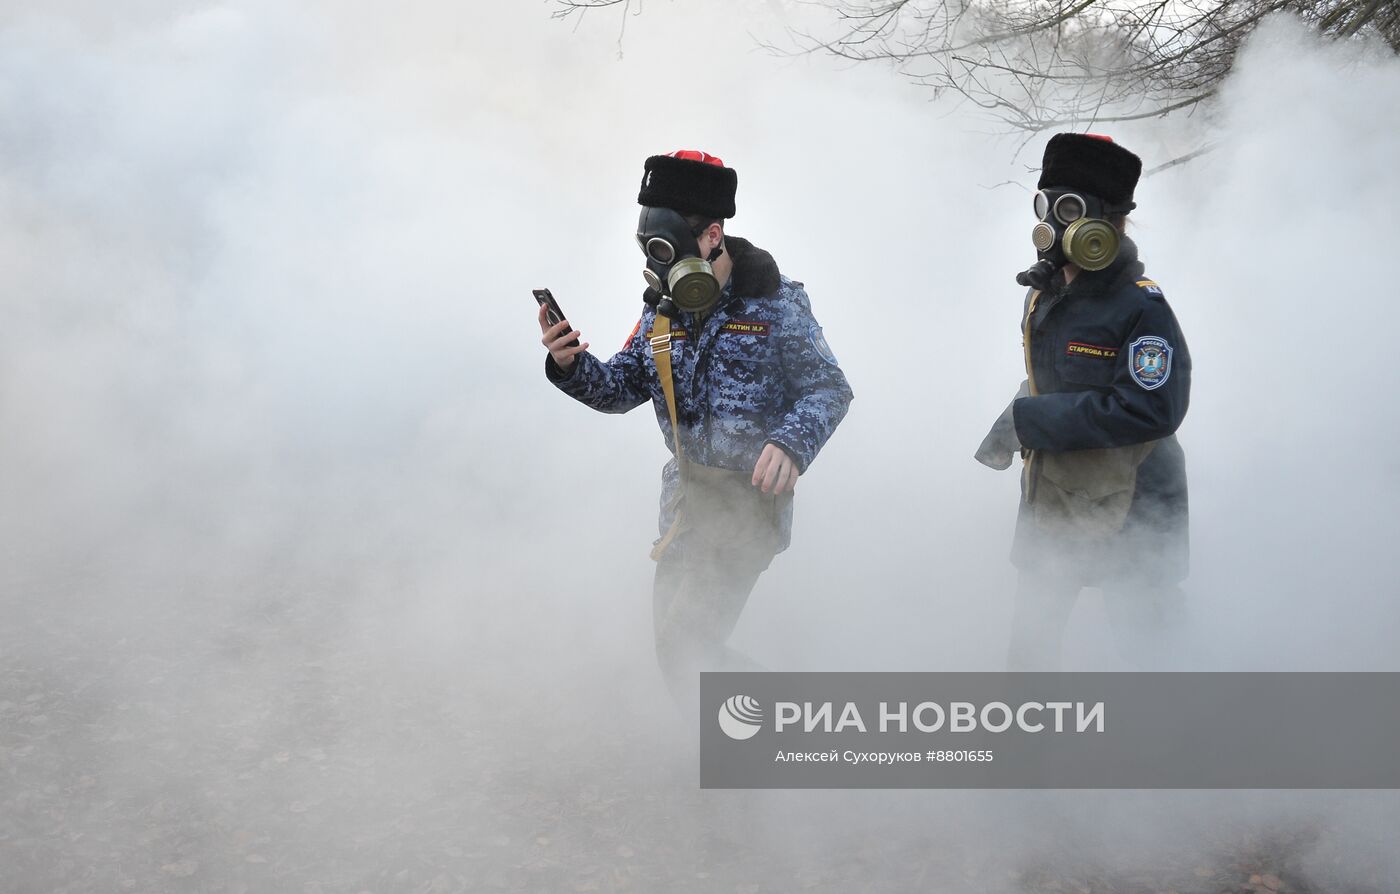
554 315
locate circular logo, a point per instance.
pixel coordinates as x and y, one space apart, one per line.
740 717
1151 361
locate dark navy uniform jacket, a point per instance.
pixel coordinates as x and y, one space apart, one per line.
1112 369
757 370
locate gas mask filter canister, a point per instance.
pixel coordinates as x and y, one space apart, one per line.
1072 230
674 268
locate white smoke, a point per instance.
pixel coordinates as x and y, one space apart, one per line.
315 581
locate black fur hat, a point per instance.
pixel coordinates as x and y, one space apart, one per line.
690 182
1092 163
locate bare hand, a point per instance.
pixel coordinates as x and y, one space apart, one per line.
775 471
557 338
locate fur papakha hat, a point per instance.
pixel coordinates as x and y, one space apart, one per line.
1092 163
690 182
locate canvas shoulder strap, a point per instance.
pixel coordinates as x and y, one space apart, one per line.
1026 339
660 339
1027 477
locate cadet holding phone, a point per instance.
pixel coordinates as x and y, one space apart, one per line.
744 387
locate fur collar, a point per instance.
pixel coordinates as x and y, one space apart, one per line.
755 272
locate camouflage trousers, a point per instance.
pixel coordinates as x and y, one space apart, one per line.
697 597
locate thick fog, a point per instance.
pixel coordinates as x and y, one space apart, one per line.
311 581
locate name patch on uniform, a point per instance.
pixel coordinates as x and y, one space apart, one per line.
819 344
676 332
1151 363
1083 349
745 326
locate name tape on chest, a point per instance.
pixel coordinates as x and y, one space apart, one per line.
1084 349
677 333
741 327
746 327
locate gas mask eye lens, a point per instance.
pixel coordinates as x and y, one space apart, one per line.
660 251
1042 205
1069 208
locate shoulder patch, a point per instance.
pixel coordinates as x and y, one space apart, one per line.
819 344
1150 361
635 329
1150 288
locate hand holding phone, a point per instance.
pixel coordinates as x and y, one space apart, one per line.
550 318
552 313
545 298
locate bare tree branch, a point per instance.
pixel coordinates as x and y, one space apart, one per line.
1179 160
1033 65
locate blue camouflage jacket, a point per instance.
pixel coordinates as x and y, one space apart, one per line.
757 370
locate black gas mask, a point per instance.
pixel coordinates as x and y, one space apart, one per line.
1073 229
677 277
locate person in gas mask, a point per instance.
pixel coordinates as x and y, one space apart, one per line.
1103 492
745 389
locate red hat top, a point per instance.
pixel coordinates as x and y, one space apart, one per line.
697 155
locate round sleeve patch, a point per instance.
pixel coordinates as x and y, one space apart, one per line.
1150 361
820 345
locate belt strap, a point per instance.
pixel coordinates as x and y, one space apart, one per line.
1027 479
660 339
1026 339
